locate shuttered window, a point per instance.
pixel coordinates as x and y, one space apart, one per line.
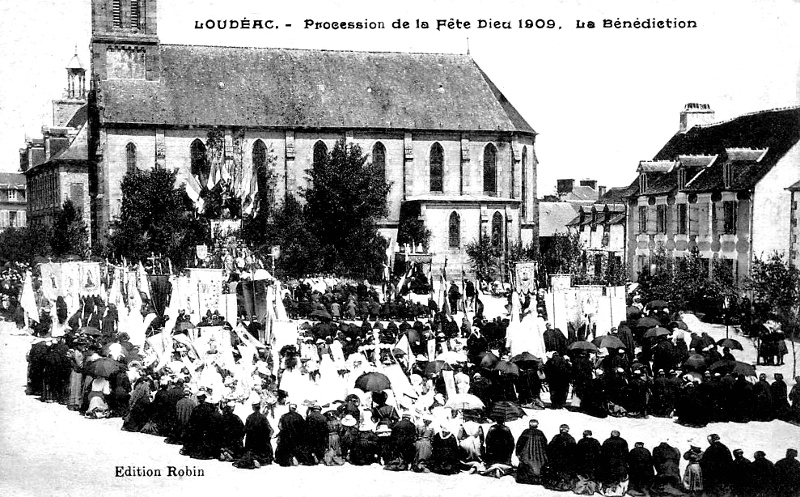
682 219
116 13
661 219
642 219
437 168
729 214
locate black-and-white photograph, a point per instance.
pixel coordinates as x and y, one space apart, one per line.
432 248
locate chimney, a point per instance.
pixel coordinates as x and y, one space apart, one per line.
601 190
591 183
564 186
694 114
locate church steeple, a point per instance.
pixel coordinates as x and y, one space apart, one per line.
125 40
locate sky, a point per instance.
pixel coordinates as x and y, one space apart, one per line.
600 99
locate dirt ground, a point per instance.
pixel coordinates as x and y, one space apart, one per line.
47 450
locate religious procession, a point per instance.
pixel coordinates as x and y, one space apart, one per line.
332 372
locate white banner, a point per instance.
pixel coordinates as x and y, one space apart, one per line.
207 283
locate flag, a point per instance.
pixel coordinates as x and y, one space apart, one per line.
28 299
141 281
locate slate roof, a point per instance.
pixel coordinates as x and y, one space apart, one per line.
692 161
795 187
269 87
580 194
554 217
775 131
12 181
615 195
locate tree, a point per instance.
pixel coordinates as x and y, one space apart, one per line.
775 283
25 244
70 234
484 258
156 217
562 254
346 198
411 228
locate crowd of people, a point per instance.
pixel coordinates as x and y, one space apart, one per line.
195 399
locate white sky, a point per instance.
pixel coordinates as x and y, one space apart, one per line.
601 100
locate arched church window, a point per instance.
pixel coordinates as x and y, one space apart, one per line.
200 166
437 168
130 157
454 231
379 158
497 229
320 153
490 170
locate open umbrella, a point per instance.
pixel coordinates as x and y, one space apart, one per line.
695 361
526 359
373 382
434 367
609 342
680 325
632 312
730 343
735 367
103 367
647 322
463 401
507 368
451 357
583 345
321 314
488 360
657 304
658 331
506 410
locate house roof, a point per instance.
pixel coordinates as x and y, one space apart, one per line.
14 181
580 194
79 118
77 152
554 217
656 166
691 161
752 144
795 187
615 195
270 87
618 218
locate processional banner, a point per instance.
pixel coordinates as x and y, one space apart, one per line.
208 285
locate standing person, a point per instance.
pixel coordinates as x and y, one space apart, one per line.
423 448
780 399
292 429
787 475
558 373
640 464
794 398
470 293
559 472
693 477
587 460
75 398
316 434
716 465
453 296
531 451
258 434
614 467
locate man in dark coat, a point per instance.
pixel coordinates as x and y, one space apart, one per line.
787 475
663 354
531 451
404 435
258 436
716 465
661 401
742 469
554 340
558 373
762 408
499 444
291 438
316 435
614 465
595 399
559 472
201 438
453 296
640 466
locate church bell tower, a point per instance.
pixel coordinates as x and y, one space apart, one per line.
124 40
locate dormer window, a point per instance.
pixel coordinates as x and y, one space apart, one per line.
642 182
681 178
727 174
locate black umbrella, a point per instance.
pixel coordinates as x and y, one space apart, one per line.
321 314
609 342
526 359
373 382
434 367
647 322
730 343
103 367
660 304
488 360
505 411
583 345
632 312
680 324
89 330
507 368
658 331
735 367
695 361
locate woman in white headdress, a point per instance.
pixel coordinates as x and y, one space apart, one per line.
523 335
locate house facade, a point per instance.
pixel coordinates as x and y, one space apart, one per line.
717 190
13 201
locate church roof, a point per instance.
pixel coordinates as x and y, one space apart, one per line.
269 87
554 217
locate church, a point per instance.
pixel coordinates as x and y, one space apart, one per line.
452 146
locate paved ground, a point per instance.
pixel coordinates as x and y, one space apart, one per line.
47 450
